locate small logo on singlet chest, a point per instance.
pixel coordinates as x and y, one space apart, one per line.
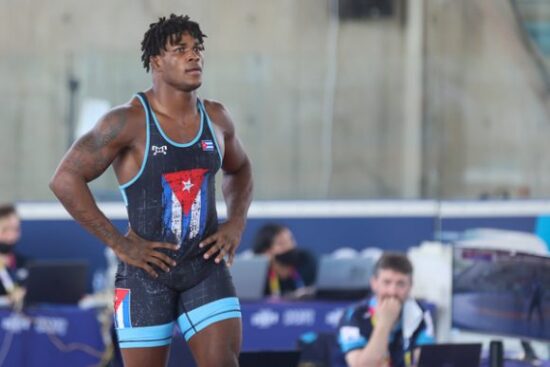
207 145
159 150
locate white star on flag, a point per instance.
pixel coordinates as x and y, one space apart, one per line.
187 185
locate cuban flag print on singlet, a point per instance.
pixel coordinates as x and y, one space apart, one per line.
185 203
122 308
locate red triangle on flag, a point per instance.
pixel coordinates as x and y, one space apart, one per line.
120 294
185 185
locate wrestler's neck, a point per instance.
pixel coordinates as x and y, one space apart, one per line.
171 101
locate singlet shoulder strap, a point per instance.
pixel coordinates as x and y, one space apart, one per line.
146 106
143 99
210 127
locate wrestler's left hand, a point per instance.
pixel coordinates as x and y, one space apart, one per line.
224 242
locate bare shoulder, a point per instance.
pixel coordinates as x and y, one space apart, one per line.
219 115
234 157
123 123
128 113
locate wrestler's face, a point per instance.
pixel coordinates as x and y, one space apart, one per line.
389 283
181 63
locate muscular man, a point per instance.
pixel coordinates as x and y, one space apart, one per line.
385 330
165 146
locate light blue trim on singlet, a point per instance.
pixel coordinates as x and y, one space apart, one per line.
195 139
145 155
212 131
196 320
124 196
145 336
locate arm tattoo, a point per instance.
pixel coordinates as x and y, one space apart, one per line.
87 153
87 159
92 142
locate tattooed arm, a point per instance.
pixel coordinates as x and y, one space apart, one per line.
86 160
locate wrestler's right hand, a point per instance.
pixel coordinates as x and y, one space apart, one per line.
143 254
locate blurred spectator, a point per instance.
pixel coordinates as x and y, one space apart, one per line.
388 328
11 263
292 270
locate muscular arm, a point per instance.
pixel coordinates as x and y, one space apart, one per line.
87 159
237 188
237 180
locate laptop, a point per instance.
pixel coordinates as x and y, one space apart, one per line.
346 278
56 281
450 355
249 276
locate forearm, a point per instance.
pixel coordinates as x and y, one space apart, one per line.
375 353
237 191
74 194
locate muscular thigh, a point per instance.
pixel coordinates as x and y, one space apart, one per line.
218 345
145 313
210 319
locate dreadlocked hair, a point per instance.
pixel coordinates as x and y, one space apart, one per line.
154 40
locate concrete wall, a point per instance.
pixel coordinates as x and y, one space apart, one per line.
267 61
486 104
318 104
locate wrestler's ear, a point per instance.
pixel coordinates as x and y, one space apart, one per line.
155 62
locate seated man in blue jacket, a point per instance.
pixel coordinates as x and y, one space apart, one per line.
385 330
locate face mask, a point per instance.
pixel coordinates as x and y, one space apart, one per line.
289 258
5 248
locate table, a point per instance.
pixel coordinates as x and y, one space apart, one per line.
277 325
270 325
50 336
512 363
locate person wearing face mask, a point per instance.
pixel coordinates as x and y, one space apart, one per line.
386 329
292 270
11 262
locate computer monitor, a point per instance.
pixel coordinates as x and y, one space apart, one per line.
56 281
343 278
501 292
288 358
249 276
450 355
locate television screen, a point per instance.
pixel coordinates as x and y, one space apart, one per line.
501 292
